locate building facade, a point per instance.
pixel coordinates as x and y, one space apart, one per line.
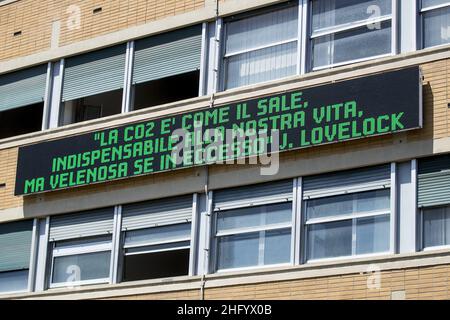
362 215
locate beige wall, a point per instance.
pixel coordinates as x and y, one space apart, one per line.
431 282
418 283
421 275
8 161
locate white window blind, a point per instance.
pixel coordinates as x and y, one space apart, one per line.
350 31
261 47
436 22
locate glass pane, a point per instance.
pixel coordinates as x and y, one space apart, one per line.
262 30
261 65
352 45
347 204
254 216
373 201
372 234
330 13
432 3
81 267
436 227
14 281
277 246
254 249
436 27
158 234
238 251
328 240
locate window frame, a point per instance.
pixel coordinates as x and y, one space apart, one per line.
75 250
223 56
215 235
31 266
393 226
420 19
148 244
340 218
310 35
193 243
28 289
47 93
420 223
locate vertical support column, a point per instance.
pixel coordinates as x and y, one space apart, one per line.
194 253
407 208
56 94
116 247
202 90
294 236
217 85
415 199
33 255
210 233
41 259
394 217
128 78
409 35
303 36
395 27
211 58
47 97
204 239
299 233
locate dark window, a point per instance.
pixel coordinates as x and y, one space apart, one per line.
166 90
22 120
156 265
93 107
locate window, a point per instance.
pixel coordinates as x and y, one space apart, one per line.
22 101
253 226
93 85
347 213
436 227
261 47
21 120
435 22
348 225
167 68
81 245
15 252
434 200
254 236
81 261
157 238
93 107
157 252
344 31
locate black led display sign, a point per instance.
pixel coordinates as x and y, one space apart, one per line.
374 105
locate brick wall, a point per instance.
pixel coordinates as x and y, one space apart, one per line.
437 97
34 19
8 161
416 283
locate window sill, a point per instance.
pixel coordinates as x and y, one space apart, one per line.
348 258
233 278
4 3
